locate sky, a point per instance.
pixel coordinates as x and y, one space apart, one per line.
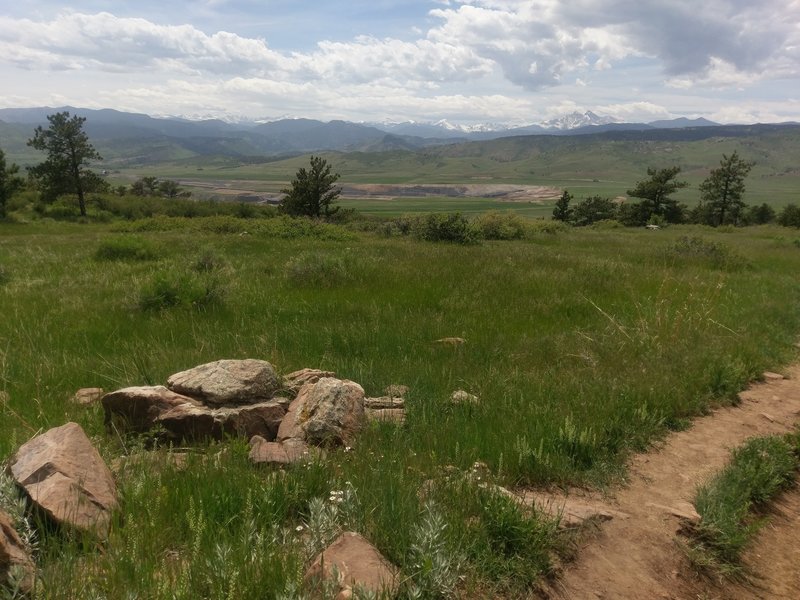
511 62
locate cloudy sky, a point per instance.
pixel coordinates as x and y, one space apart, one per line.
467 61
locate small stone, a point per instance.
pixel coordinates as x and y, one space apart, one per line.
396 390
463 397
451 341
768 417
358 565
384 402
770 376
86 396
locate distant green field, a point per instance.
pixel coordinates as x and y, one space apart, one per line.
583 166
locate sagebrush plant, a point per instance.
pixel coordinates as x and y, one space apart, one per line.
445 227
727 504
434 566
320 269
718 254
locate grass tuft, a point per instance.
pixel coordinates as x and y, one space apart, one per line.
728 504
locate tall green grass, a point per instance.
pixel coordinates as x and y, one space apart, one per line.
583 346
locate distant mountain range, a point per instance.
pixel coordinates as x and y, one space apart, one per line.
138 139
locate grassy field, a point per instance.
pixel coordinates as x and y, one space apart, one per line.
583 346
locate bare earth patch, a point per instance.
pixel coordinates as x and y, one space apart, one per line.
637 553
498 191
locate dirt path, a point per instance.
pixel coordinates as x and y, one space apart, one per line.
635 554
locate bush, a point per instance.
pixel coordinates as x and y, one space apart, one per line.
318 270
445 227
496 225
714 254
128 248
790 216
168 290
593 209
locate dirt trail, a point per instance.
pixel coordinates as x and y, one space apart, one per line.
635 554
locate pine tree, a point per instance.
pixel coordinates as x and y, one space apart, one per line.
312 192
65 171
723 189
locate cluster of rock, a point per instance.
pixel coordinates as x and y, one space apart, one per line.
286 419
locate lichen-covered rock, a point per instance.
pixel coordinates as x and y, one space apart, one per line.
226 382
357 565
463 397
66 479
137 408
14 557
328 412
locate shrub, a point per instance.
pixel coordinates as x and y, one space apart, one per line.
714 254
593 209
496 225
445 227
168 290
128 248
790 216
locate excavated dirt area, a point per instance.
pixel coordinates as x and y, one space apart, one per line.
636 553
496 191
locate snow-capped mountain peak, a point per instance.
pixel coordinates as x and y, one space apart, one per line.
576 119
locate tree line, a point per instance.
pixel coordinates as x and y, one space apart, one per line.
721 201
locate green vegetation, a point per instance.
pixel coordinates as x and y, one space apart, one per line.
10 183
68 154
728 504
312 193
721 193
583 345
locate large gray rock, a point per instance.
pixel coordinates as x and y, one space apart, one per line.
190 422
328 412
66 479
14 557
138 408
358 566
225 382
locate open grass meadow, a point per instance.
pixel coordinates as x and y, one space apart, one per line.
583 345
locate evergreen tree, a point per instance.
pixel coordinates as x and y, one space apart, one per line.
723 189
312 192
655 194
65 171
562 210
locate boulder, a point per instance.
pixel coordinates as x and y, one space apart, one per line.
14 557
358 565
66 479
297 379
226 382
330 411
86 396
138 408
280 453
191 422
